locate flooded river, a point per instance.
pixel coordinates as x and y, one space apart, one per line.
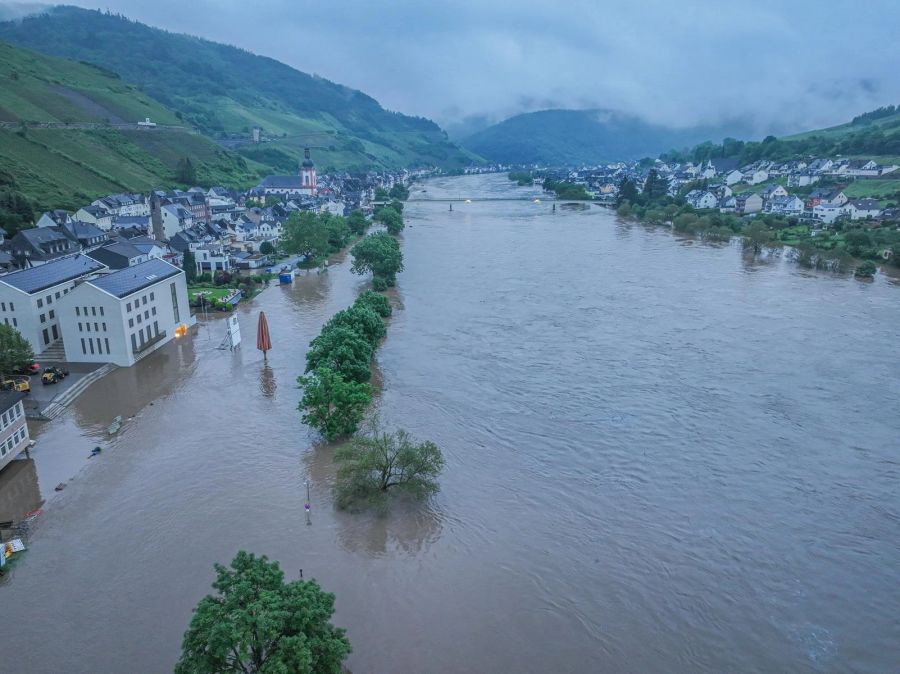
660 458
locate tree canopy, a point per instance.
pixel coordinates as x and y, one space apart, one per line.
256 622
331 404
380 255
372 465
15 350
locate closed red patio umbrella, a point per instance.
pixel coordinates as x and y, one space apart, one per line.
263 340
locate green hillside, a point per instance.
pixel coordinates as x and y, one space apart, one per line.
224 91
64 166
573 137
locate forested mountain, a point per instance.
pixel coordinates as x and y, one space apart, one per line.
871 134
224 92
571 137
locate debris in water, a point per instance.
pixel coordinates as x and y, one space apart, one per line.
115 426
60 486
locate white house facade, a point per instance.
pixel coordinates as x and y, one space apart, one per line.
30 299
121 317
14 436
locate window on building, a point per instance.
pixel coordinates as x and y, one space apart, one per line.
144 300
83 349
106 339
40 302
101 311
156 328
93 311
49 299
52 314
153 311
57 294
96 327
152 298
130 322
87 326
91 345
175 303
43 318
146 315
104 327
3 305
80 328
133 342
15 323
139 319
128 307
78 311
11 307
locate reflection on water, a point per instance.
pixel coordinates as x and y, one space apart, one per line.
19 491
267 385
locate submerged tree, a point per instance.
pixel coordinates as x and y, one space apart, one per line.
258 623
333 405
372 465
757 236
380 254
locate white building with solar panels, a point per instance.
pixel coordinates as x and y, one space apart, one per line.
121 317
30 299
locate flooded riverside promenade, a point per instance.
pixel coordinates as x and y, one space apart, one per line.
660 457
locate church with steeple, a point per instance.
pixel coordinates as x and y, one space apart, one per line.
302 184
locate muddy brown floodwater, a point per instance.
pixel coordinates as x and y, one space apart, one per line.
660 458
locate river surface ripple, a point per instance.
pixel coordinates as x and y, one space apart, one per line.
660 458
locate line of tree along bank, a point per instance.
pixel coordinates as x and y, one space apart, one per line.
839 249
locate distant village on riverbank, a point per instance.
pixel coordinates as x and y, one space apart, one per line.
817 191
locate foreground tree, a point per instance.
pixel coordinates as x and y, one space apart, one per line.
331 404
305 234
256 623
372 465
266 248
15 350
379 254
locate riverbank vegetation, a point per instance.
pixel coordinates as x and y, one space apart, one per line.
336 389
562 188
378 463
380 255
256 622
315 236
837 249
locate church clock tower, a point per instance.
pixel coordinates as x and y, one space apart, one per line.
308 175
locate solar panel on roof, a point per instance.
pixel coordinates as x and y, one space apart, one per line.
52 273
132 279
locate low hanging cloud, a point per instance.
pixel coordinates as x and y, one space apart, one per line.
772 65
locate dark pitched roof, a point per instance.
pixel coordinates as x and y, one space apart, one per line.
133 279
45 276
9 398
115 255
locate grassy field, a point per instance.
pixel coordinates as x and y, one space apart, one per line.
877 188
211 293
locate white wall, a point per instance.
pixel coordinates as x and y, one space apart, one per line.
22 312
140 314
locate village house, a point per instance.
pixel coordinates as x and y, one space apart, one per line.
773 191
831 197
118 255
29 298
788 206
748 202
862 209
701 199
14 437
40 245
124 205
802 179
95 215
827 213
121 317
755 176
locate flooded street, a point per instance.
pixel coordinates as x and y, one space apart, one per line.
660 457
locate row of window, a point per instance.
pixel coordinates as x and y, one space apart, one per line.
10 415
86 327
14 323
12 441
92 313
12 307
48 299
141 301
90 345
151 333
51 314
145 317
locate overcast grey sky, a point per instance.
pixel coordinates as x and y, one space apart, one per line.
778 63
